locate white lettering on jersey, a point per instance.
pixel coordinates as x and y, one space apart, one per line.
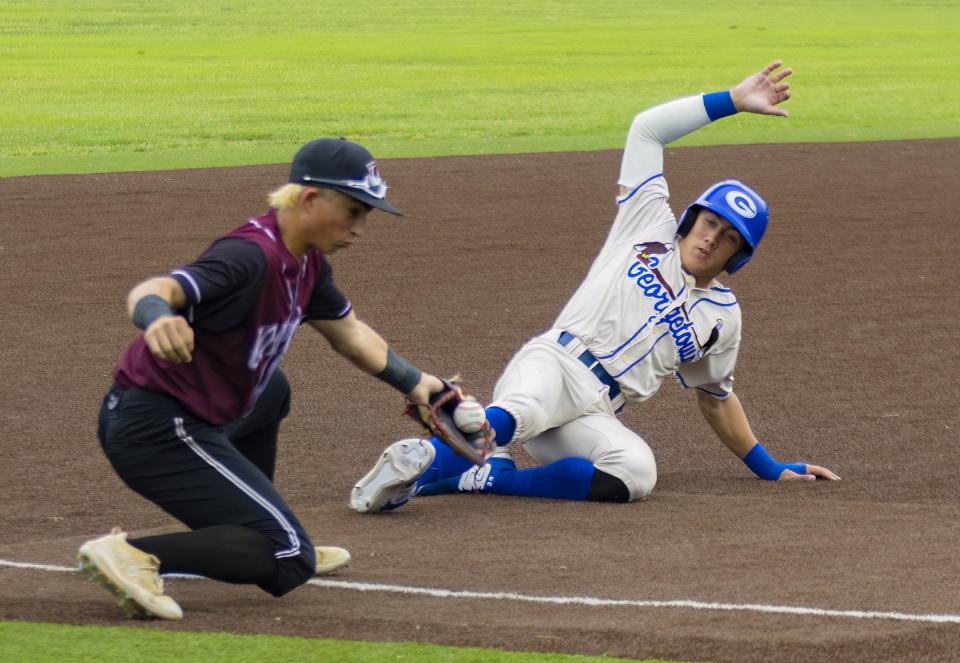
272 341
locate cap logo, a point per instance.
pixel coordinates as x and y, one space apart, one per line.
372 184
741 203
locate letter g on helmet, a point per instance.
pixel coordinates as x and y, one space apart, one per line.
741 206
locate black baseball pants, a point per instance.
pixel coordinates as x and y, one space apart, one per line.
215 480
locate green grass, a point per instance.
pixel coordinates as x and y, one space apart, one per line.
112 85
22 641
127 84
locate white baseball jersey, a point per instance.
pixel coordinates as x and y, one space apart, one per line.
640 315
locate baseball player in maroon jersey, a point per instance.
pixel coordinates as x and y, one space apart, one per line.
192 417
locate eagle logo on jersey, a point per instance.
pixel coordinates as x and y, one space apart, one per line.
645 272
645 251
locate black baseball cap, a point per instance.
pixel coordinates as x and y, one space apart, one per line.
336 163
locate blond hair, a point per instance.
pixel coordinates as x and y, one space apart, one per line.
287 196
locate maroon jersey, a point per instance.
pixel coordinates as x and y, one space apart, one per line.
246 296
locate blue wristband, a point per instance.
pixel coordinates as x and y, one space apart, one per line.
719 104
764 466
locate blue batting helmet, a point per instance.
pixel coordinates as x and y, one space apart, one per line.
738 204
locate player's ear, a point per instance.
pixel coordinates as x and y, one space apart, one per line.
311 195
307 196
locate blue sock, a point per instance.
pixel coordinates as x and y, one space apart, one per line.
451 484
450 464
447 464
565 479
503 423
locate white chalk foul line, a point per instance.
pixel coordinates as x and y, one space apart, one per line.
584 600
634 603
36 567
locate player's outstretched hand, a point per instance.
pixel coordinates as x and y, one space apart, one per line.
762 92
814 472
171 338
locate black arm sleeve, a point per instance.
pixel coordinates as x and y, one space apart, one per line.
326 301
223 284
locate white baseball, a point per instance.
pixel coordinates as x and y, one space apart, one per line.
469 417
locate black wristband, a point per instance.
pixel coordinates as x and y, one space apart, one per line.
148 308
399 373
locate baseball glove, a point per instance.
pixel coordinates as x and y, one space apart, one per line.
437 418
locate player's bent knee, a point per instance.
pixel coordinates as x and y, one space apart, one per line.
636 469
642 481
293 571
643 486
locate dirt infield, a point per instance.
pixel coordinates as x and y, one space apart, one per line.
849 359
